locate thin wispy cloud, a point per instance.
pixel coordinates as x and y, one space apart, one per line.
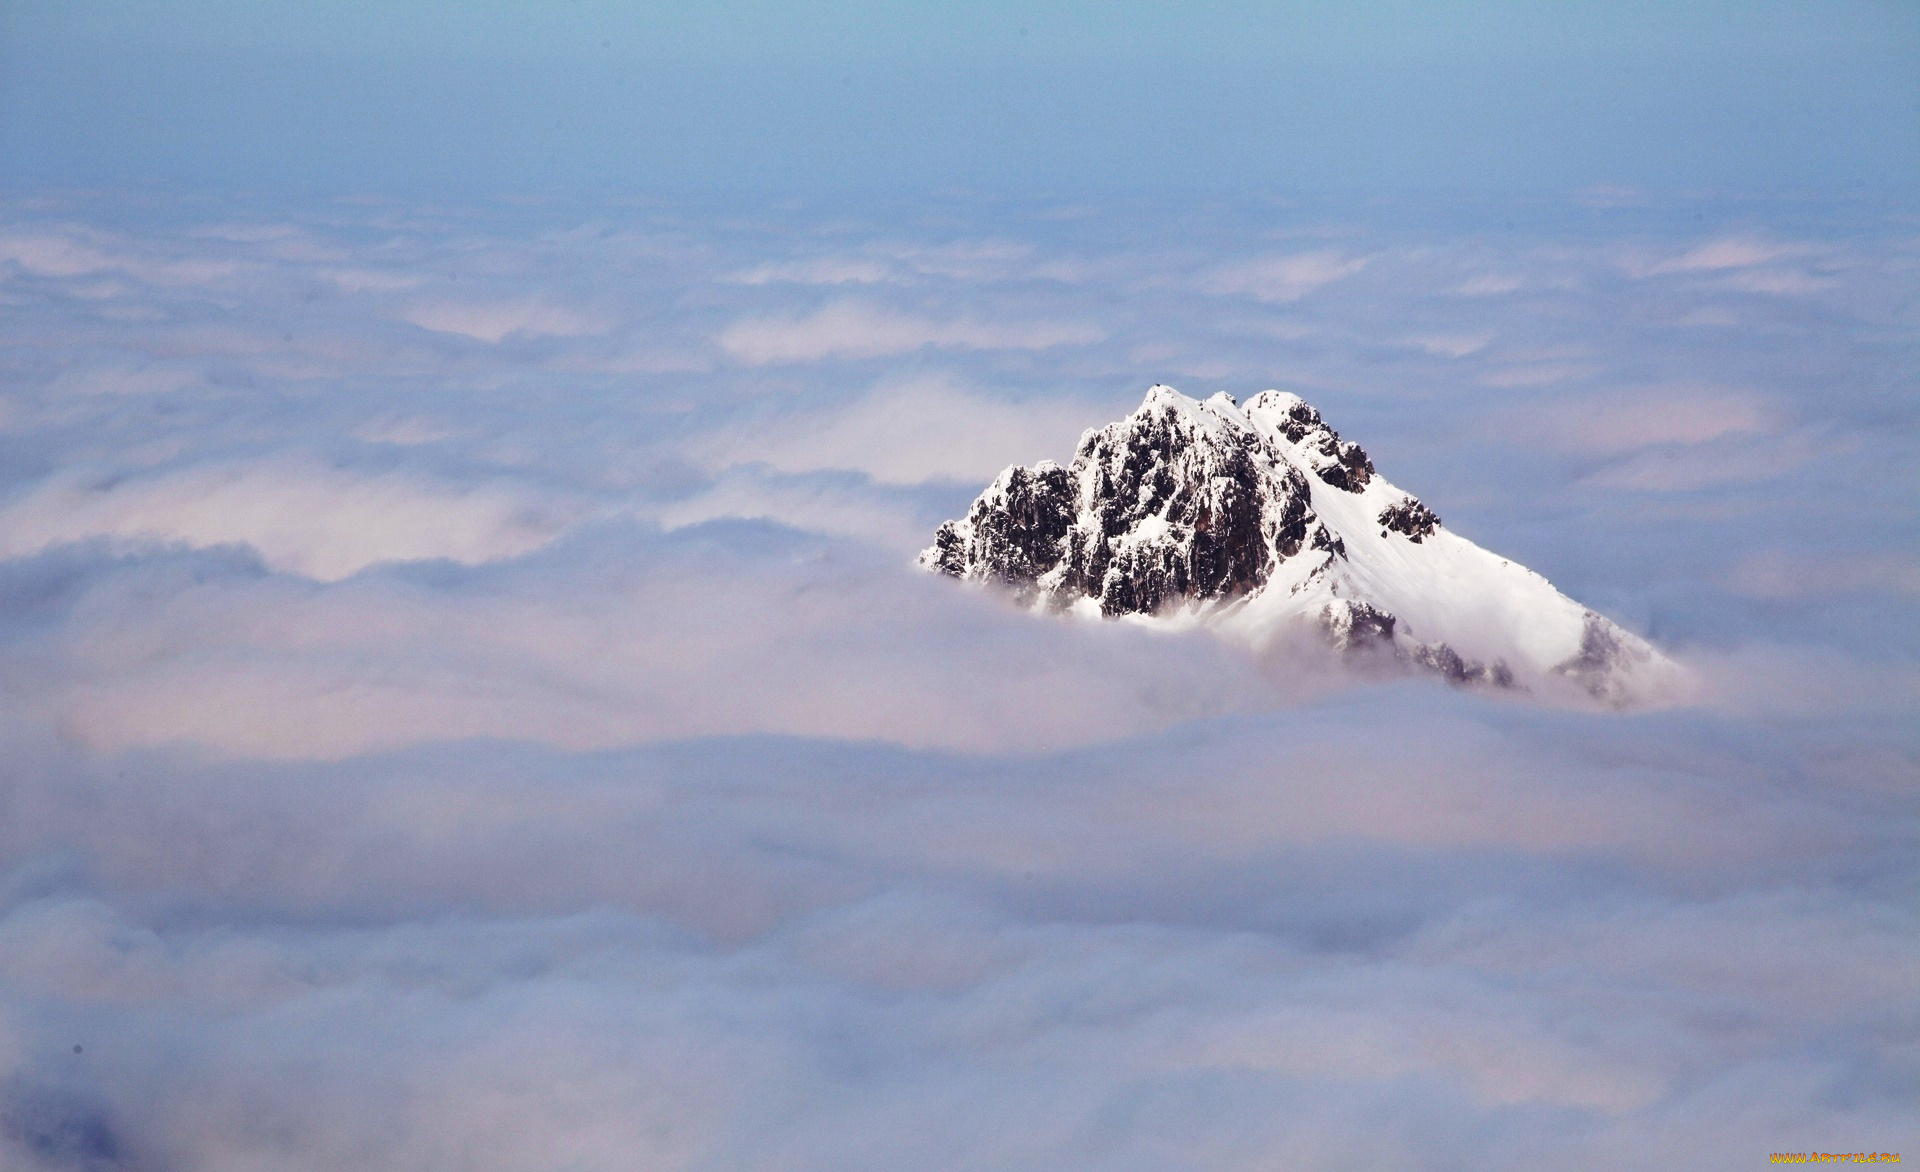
1282 278
490 321
1627 419
906 432
1734 252
858 329
299 517
825 270
1688 469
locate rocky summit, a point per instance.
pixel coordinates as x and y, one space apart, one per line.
1260 520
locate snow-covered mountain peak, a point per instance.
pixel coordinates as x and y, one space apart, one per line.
1261 520
1209 415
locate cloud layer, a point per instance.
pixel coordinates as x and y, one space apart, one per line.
313 521
469 704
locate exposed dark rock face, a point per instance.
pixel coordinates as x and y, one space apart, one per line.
1411 518
1014 532
948 554
1356 626
1212 491
1186 503
1324 539
1600 663
1444 661
1341 463
1298 419
1346 465
1165 506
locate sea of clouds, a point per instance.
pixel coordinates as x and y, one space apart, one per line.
469 704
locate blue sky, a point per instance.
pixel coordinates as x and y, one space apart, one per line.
1006 98
466 699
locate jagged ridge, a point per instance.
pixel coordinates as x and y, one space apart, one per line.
1253 520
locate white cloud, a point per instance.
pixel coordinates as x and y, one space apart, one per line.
694 640
1763 681
1781 282
910 432
700 841
129 377
1280 278
52 255
1711 316
81 253
1732 252
492 321
858 329
1747 264
1732 460
829 508
1627 420
1537 374
965 260
368 280
823 270
301 517
1613 195
1484 934
405 431
1490 285
1784 576
1456 345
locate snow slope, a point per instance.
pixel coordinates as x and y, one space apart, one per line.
1259 521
